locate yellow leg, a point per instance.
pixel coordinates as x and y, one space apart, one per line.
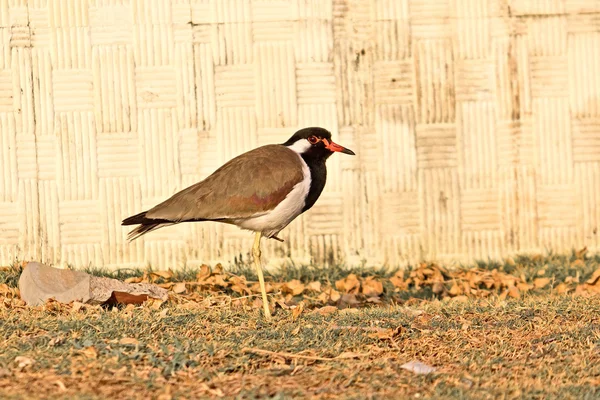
261 279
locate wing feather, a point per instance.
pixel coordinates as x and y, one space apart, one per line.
248 185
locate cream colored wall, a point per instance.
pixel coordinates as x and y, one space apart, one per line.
476 124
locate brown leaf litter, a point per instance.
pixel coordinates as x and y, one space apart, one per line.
354 291
517 330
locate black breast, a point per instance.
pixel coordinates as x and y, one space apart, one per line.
318 176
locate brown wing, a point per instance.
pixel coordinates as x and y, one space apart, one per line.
252 183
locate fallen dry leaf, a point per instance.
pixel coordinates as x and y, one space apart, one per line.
587 288
56 341
350 354
314 286
580 254
167 285
349 284
129 341
134 279
294 287
239 284
386 334
437 288
524 286
326 310
61 386
255 287
23 362
398 280
418 367
52 304
162 274
4 289
257 303
89 352
455 290
561 288
372 287
297 310
513 291
329 295
540 283
349 299
572 279
204 273
218 280
179 288
282 304
152 303
218 269
594 278
76 306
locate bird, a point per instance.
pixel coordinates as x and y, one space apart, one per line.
262 190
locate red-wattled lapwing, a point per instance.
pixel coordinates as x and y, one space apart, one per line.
262 190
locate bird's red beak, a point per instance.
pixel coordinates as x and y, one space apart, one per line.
337 148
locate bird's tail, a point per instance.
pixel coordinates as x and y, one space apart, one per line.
145 225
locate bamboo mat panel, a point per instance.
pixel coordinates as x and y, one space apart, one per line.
476 124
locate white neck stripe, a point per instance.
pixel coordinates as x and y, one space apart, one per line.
300 146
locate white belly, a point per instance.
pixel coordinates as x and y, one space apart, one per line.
271 222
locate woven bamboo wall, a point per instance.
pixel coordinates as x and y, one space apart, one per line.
476 124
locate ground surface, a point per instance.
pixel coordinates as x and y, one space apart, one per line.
529 328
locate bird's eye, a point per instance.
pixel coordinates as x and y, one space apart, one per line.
313 140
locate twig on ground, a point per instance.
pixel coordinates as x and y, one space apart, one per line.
359 328
292 355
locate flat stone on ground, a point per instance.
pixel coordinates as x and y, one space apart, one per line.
39 282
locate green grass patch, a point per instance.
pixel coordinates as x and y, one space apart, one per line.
540 345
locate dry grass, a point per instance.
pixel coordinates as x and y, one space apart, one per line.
210 340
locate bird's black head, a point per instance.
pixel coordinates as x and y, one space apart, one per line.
315 143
